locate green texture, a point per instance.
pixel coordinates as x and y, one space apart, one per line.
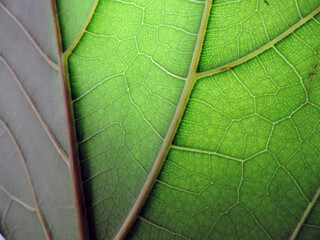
310 229
73 13
125 83
34 174
244 161
236 28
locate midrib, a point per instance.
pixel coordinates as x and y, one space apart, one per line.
74 163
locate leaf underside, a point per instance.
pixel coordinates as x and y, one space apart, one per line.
243 163
35 184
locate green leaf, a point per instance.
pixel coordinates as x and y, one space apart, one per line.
193 119
35 185
244 162
125 82
223 98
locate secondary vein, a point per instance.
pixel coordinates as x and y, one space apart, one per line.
83 29
305 215
261 49
25 31
190 81
37 113
24 163
26 206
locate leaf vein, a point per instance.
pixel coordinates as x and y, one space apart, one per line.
36 45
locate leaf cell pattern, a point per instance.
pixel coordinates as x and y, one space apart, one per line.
243 164
124 96
243 161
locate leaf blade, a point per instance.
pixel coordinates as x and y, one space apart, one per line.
217 189
24 45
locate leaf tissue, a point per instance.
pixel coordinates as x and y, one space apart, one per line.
186 119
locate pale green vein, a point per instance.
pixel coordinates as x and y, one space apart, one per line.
261 49
97 132
82 31
293 68
146 120
136 161
97 174
314 105
162 68
194 150
95 86
256 220
225 3
213 226
190 81
312 226
176 188
298 9
290 176
194 1
162 228
305 215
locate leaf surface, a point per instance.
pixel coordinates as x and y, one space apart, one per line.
124 95
35 186
242 163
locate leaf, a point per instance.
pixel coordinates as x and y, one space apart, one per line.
35 185
221 99
122 112
241 76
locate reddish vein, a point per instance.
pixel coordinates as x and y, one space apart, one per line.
17 200
43 123
43 54
75 171
24 163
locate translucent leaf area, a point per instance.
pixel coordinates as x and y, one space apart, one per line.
244 160
126 75
236 28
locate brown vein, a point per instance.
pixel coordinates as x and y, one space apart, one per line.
75 170
43 123
24 163
6 213
17 200
43 54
